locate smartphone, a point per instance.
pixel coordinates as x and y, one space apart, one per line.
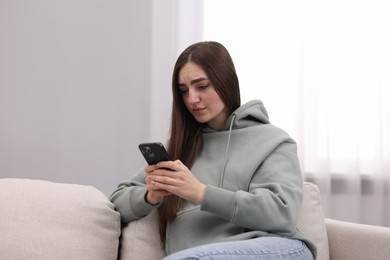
153 152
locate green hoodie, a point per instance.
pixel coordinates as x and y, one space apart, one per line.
254 186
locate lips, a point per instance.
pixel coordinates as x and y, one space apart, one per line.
198 111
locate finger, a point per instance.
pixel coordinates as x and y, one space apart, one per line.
164 165
168 184
151 186
163 172
153 181
161 187
172 165
156 191
149 168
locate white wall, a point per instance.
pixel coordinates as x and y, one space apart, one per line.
83 82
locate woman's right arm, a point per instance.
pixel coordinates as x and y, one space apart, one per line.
129 198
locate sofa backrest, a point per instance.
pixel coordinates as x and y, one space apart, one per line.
141 236
46 220
311 220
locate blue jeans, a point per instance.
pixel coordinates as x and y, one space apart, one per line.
258 248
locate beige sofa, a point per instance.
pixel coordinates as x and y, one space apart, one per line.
46 220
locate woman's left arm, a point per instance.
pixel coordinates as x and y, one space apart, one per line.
273 200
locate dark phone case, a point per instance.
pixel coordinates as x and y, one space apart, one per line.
153 152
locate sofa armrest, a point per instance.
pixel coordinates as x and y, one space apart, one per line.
349 240
46 220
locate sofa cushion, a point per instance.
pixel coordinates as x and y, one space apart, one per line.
46 220
141 239
311 221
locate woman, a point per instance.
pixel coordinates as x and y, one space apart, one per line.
233 189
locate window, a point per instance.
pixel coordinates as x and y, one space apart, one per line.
323 71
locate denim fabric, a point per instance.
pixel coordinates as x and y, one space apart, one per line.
258 248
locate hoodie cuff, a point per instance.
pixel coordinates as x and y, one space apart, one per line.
138 205
219 201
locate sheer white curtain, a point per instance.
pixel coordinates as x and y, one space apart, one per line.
323 71
175 25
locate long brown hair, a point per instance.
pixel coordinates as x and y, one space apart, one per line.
186 133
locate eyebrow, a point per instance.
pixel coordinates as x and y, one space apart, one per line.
194 81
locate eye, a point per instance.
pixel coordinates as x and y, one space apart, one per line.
183 91
202 87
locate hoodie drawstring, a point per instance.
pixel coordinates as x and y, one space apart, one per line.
226 151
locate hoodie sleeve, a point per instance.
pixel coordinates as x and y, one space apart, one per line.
129 198
273 199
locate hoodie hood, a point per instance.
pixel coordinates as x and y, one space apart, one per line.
250 114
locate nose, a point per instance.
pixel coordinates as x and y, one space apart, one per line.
193 97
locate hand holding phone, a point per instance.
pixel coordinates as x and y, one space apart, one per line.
188 188
153 152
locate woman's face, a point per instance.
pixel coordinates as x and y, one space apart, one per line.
200 97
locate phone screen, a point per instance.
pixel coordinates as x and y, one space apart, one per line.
153 152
